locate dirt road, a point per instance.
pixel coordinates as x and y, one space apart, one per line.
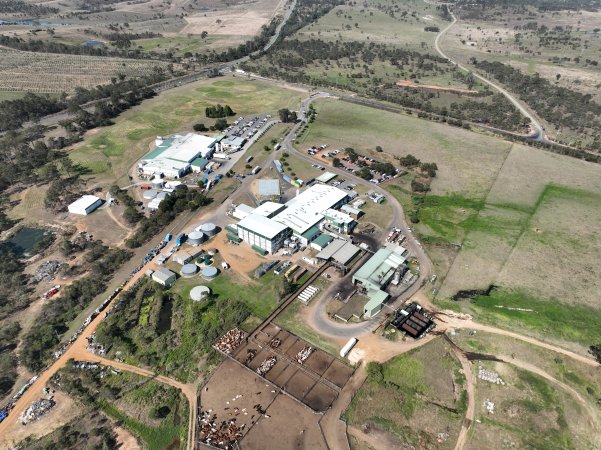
471 397
454 322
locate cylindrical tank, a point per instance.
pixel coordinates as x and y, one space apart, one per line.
157 182
199 293
208 273
196 238
150 194
207 260
209 229
188 270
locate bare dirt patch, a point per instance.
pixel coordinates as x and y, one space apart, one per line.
433 87
240 20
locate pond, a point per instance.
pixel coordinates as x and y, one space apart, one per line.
35 23
27 241
92 44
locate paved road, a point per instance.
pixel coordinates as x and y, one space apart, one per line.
538 133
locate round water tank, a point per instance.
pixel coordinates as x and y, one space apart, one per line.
199 293
150 194
196 237
162 195
188 270
208 273
157 182
208 228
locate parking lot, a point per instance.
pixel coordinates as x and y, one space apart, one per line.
247 127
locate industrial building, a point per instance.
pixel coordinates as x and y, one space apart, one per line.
269 225
164 277
232 143
263 234
339 221
182 258
304 213
375 275
340 252
84 205
321 242
174 156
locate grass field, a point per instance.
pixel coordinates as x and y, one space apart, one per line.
529 412
257 150
412 397
488 220
109 153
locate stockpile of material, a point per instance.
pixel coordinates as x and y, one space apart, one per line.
36 410
230 341
302 356
266 366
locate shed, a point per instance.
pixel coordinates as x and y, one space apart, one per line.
242 210
198 164
374 305
351 211
340 251
326 177
321 242
84 205
164 277
182 257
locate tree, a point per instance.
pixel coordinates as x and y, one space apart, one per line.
287 116
221 124
595 350
429 169
409 161
336 162
379 149
204 35
200 127
365 173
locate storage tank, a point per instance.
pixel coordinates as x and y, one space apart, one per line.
348 347
188 270
199 293
209 229
209 273
162 195
157 182
196 238
150 194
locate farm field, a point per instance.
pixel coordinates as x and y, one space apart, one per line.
20 71
372 23
413 398
109 153
487 220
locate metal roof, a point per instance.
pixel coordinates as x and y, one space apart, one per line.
326 176
379 268
267 228
268 187
162 274
268 208
304 211
85 202
340 251
323 240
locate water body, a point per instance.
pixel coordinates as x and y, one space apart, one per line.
35 23
24 241
92 44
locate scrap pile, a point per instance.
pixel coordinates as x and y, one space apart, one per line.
490 376
47 271
275 343
250 355
302 356
266 366
230 341
222 434
36 410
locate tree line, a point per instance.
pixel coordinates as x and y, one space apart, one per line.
219 111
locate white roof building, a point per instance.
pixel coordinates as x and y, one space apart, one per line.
84 205
242 210
268 209
262 225
305 210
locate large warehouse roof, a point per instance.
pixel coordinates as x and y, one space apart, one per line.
84 202
263 226
304 211
340 251
379 268
182 148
